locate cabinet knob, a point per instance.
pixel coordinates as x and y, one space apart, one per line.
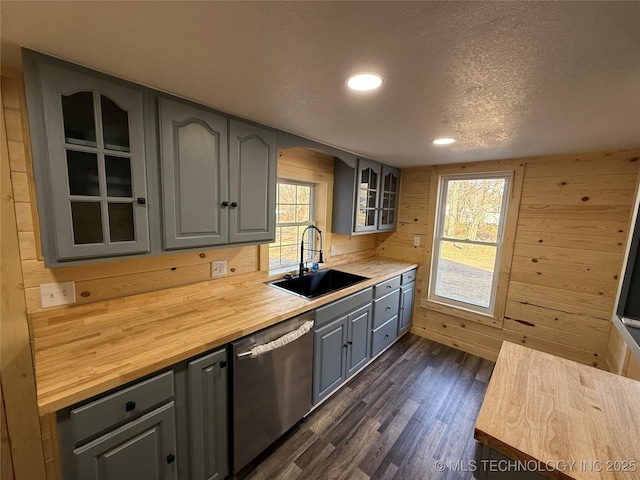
345 345
141 200
234 204
225 204
130 406
349 343
171 458
223 363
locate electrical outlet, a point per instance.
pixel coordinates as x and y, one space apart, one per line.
219 268
416 241
53 294
333 250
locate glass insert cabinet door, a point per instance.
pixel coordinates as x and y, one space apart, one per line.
390 184
95 139
367 194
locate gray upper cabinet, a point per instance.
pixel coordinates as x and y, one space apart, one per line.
252 180
365 197
89 162
194 175
389 190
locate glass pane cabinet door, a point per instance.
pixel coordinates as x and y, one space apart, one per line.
95 139
367 195
389 199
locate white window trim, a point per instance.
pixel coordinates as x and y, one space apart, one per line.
312 214
438 237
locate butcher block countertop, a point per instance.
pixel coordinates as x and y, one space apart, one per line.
539 407
89 349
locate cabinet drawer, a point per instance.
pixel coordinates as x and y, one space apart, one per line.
385 308
383 336
107 412
409 277
381 289
342 306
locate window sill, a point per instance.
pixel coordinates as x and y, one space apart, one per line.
464 313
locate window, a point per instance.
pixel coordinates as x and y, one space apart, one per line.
294 213
468 236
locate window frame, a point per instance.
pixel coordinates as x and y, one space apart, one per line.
439 237
312 215
517 168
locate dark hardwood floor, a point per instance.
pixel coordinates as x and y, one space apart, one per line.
414 406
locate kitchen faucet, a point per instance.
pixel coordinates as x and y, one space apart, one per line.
302 249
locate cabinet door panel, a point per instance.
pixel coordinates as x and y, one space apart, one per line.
252 180
406 307
194 175
389 192
208 417
143 449
367 195
94 157
358 353
329 358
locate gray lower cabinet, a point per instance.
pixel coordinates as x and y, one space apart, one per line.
129 434
143 449
208 417
341 348
407 293
329 363
194 175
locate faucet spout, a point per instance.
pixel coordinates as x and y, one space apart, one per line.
302 249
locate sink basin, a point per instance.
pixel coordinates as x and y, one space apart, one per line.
316 284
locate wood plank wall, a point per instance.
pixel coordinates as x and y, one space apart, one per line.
22 451
572 227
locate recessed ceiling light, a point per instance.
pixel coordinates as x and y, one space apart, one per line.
363 82
443 141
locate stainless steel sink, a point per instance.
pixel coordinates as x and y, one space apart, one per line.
316 284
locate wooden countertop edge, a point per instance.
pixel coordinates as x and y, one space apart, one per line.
518 455
52 401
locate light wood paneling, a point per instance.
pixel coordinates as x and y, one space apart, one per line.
569 242
633 368
18 385
6 463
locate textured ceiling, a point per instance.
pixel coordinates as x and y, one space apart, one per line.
507 79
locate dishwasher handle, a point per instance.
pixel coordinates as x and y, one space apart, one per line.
279 342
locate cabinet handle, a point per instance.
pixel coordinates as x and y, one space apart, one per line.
388 286
388 308
130 406
345 345
386 336
349 343
225 204
171 458
223 363
234 204
141 200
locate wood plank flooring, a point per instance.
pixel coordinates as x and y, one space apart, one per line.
415 405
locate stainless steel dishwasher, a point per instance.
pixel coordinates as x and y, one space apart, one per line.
272 372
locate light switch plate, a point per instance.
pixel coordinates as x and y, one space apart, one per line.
416 241
219 268
53 294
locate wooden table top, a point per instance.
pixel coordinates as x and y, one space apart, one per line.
552 410
88 349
